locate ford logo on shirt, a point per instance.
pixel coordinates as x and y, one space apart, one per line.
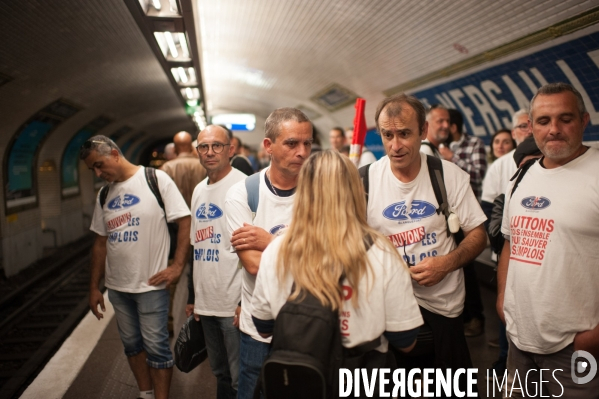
126 201
276 229
212 212
536 203
418 210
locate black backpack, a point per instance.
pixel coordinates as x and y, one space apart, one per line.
152 181
306 352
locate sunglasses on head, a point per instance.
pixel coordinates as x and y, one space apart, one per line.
88 144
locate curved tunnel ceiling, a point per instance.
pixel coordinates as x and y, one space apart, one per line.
255 55
260 55
90 53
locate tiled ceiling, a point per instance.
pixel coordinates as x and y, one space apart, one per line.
262 54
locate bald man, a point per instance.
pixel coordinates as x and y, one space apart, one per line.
169 152
185 169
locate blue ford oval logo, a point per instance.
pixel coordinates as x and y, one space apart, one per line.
535 202
126 201
419 210
276 229
208 213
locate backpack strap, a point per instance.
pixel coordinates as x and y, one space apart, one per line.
364 175
519 175
252 185
103 195
432 147
153 184
435 171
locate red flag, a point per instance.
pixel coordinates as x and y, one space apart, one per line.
357 142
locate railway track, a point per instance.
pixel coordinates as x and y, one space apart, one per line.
38 316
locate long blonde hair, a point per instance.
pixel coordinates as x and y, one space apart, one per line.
326 237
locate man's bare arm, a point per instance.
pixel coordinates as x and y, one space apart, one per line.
250 260
97 266
249 243
588 341
173 272
434 269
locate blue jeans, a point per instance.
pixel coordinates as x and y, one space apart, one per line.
222 344
142 319
252 354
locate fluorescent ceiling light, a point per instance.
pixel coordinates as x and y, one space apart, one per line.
159 8
171 44
161 39
191 93
175 72
183 75
183 44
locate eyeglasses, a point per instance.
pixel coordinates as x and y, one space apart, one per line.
88 144
217 148
522 126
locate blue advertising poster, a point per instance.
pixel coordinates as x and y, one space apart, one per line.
20 162
488 98
374 143
70 162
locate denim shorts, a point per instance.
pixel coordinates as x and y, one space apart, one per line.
142 321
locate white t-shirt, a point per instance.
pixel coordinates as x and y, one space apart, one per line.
427 149
552 288
498 176
273 214
367 157
405 213
386 302
216 277
138 240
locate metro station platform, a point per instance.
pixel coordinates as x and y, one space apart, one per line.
91 364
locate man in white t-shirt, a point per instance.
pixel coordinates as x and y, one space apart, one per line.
501 171
548 274
131 252
288 140
216 281
437 118
402 205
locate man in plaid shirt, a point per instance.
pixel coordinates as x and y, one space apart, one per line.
467 152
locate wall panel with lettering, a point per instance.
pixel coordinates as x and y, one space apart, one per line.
488 98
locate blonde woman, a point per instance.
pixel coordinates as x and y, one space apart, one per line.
328 238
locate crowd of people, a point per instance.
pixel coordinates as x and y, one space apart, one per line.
389 246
